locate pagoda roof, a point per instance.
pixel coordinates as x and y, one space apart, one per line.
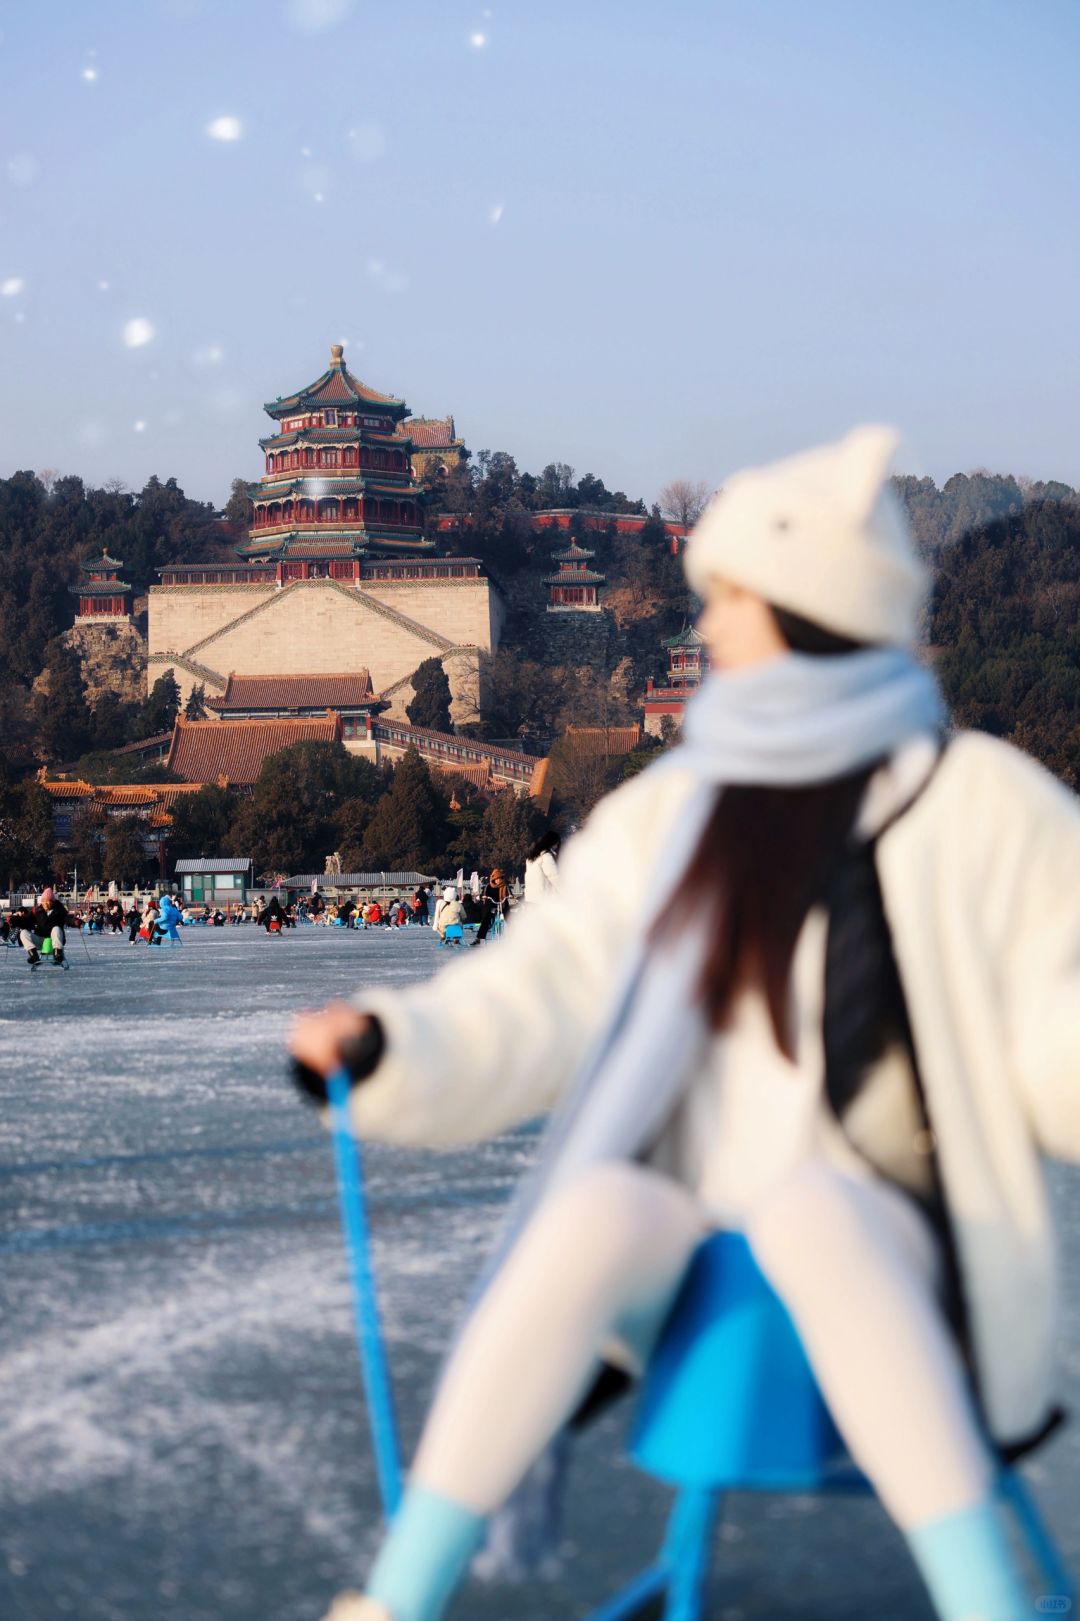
336 386
207 751
575 576
347 436
349 691
101 561
99 588
572 554
691 637
307 546
332 543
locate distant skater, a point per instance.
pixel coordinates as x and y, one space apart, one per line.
48 921
494 904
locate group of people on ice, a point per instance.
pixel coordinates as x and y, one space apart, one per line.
845 1035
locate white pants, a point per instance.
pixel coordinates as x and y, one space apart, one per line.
601 1261
31 942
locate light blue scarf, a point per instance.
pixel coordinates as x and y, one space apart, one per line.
794 721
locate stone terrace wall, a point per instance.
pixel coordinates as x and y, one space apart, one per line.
464 611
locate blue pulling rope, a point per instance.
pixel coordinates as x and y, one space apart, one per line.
373 1366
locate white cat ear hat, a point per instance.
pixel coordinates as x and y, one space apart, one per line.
822 535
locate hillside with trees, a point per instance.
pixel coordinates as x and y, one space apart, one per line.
1003 627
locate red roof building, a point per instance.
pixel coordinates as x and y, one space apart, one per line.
265 697
436 448
233 751
151 802
338 482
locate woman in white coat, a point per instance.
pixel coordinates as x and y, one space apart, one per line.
849 1035
541 866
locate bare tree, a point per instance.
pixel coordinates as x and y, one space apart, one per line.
684 500
47 477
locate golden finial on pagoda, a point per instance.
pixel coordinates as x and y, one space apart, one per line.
337 351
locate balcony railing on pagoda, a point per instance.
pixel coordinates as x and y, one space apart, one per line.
288 517
375 461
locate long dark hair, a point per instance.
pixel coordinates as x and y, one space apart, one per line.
763 861
549 840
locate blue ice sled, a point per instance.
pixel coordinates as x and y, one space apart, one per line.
729 1402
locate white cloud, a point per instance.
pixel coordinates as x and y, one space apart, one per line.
211 354
90 75
12 287
140 426
314 16
478 41
495 213
103 286
226 128
138 332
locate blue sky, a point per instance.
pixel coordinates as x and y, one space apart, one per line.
649 240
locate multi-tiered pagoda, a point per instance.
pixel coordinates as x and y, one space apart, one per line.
576 587
102 594
688 665
338 484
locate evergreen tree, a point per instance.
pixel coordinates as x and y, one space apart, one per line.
85 842
27 840
409 829
110 722
511 825
159 711
195 708
288 824
238 507
64 724
124 858
351 821
430 705
202 822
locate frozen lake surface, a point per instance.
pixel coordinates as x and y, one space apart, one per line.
181 1429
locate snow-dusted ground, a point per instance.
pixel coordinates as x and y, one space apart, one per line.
181 1430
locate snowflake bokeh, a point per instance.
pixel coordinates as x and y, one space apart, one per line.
226 128
138 332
